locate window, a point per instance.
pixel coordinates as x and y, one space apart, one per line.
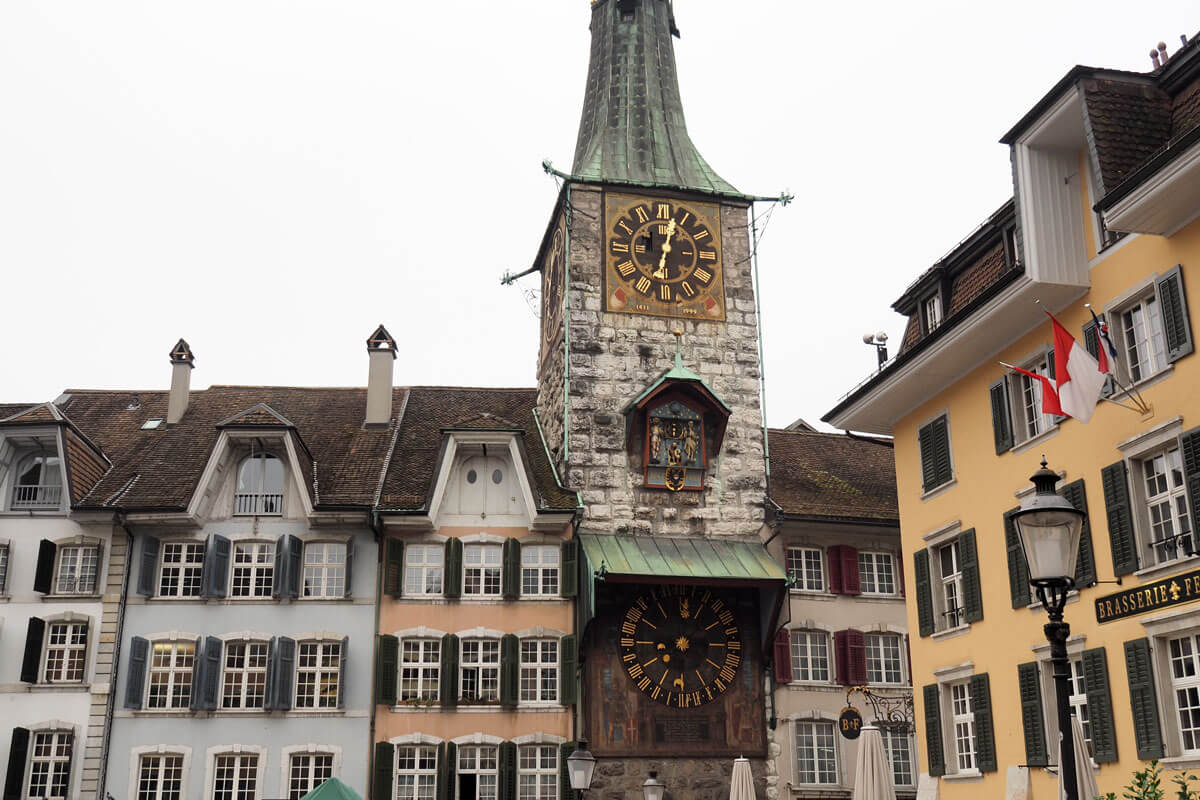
481 564
39 482
182 566
244 678
1184 656
539 570
160 777
259 486
1079 703
937 466
423 568
952 584
478 772
416 773
876 573
1142 342
307 771
1028 393
810 656
77 567
480 678
324 569
3 567
931 310
420 669
883 658
235 776
50 765
171 666
898 746
964 726
66 651
537 770
318 667
539 671
1167 506
253 569
816 753
806 568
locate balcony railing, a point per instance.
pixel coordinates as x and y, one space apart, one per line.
245 505
36 496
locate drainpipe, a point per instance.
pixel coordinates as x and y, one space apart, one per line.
376 524
118 519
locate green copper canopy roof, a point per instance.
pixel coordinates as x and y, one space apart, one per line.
332 789
633 130
676 559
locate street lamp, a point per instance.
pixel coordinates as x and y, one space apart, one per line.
1049 528
580 766
653 788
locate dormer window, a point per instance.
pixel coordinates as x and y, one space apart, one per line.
39 482
259 486
931 312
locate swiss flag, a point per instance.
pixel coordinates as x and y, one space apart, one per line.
1078 376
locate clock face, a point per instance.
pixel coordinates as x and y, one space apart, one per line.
663 257
681 645
552 292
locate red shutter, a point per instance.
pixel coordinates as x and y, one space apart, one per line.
856 653
835 568
898 560
841 655
850 580
783 656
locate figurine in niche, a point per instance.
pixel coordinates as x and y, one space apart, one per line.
691 444
655 441
674 455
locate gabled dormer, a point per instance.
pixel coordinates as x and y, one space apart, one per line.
46 463
482 477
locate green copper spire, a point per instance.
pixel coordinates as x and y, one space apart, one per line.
633 129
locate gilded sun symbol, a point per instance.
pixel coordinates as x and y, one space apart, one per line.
682 643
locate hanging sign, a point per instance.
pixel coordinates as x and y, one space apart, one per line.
1173 591
850 722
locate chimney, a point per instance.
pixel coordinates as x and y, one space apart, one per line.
181 381
381 349
1154 59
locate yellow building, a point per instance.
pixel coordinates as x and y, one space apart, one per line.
1106 174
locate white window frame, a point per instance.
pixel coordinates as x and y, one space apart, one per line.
77 555
174 673
876 558
423 750
155 788
68 647
481 667
327 576
424 670
240 751
135 767
309 780
802 642
876 651
46 496
482 761
537 771
541 563
815 728
488 573
187 570
421 570
240 678
258 502
542 672
931 312
51 760
253 571
804 582
1151 355
1189 684
897 739
311 749
949 610
962 728
1174 498
1025 399
322 674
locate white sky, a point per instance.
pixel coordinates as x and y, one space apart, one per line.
270 180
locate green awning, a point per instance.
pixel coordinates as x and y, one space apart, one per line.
332 789
687 559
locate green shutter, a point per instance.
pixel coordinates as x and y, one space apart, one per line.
924 592
507 778
447 769
454 567
985 735
933 731
1142 700
936 468
510 572
569 578
1190 451
564 779
393 567
1085 564
1120 518
1002 431
968 564
1172 303
1032 719
1018 570
1091 340
1099 705
510 670
383 771
568 666
388 670
448 680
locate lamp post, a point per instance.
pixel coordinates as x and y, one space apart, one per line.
580 766
653 788
1049 528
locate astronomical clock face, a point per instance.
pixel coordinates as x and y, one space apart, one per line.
663 257
681 645
553 271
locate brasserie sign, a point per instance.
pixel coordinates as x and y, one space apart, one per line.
1173 591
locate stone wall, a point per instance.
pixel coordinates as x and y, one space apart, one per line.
686 778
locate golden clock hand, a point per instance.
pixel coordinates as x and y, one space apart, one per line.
661 272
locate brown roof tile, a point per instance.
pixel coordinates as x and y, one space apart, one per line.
1128 121
833 475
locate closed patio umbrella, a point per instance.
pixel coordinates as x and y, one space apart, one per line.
741 783
872 774
1085 776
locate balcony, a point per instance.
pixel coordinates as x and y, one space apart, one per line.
36 497
257 505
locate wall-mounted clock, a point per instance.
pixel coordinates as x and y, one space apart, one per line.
681 645
663 257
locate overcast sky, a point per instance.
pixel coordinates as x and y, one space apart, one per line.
271 180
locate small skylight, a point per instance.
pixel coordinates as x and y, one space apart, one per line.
152 423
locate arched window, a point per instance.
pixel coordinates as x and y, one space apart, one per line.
259 486
39 482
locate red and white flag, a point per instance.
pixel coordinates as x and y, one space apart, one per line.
1078 379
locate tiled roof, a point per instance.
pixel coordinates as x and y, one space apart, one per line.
1128 123
833 475
257 416
42 412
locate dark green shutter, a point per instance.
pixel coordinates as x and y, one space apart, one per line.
1002 430
569 578
1172 303
936 468
507 778
968 565
1032 719
1099 705
135 676
510 670
1091 341
393 567
1120 518
448 679
510 573
568 666
383 771
564 778
1018 569
933 731
1190 451
447 769
387 670
1085 564
454 568
924 592
147 580
985 735
1142 700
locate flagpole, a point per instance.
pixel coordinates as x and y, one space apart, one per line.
1104 341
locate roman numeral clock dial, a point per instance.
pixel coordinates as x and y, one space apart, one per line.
663 257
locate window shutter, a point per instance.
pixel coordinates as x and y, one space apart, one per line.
510 670
568 667
210 691
393 567
18 756
1018 569
282 668
1099 705
936 468
898 560
1091 340
43 576
135 680
341 698
1085 564
1050 367
850 578
507 779
194 701
1142 700
1172 302
35 635
1032 719
564 778
454 567
349 566
1002 430
569 577
279 582
924 592
148 567
841 654
834 556
856 654
387 670
985 736
295 568
447 762
908 658
1189 449
783 656
216 566
383 771
1120 518
510 572
969 565
448 680
933 731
